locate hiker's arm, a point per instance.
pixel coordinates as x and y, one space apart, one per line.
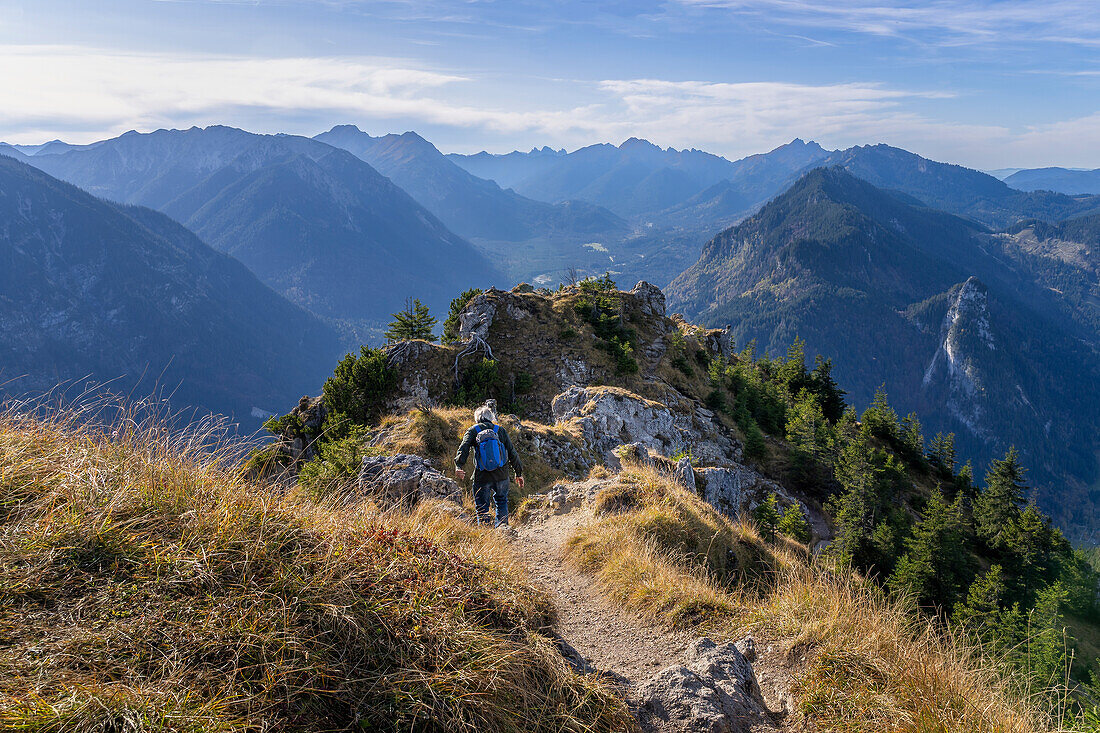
464 448
513 457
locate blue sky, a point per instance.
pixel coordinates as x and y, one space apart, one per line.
986 83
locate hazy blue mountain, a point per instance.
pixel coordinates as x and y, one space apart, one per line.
1063 180
91 290
634 179
956 189
508 169
751 182
315 222
473 207
957 322
1003 173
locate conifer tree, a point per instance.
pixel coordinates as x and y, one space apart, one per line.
912 439
998 506
934 566
414 322
792 372
854 510
880 418
793 524
941 453
829 393
807 429
766 515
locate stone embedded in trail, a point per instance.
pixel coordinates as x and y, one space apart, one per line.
405 479
715 691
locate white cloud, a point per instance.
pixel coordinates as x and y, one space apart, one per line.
81 94
90 91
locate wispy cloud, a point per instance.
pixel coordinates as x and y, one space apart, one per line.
947 22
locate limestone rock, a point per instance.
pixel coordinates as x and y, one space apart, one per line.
715 691
719 343
611 417
404 480
737 490
478 315
650 298
685 474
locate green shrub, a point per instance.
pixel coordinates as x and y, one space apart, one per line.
601 307
766 515
480 381
360 386
524 382
794 525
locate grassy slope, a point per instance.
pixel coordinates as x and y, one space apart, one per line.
871 664
145 587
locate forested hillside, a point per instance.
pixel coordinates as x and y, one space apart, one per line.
958 324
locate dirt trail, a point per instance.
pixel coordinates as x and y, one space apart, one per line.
612 641
609 639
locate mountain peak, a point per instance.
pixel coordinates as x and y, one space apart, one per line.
637 143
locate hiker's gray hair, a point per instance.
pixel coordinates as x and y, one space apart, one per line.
485 413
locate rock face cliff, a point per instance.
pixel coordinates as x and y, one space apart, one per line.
966 340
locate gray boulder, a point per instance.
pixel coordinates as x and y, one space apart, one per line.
404 480
715 691
737 490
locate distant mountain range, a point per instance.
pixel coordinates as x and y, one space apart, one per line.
314 222
960 324
471 206
1063 180
636 179
94 292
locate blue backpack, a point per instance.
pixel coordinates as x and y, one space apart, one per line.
489 453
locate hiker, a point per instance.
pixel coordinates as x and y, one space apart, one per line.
493 452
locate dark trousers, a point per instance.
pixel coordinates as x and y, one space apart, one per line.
495 492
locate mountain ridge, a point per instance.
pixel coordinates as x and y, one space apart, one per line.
100 291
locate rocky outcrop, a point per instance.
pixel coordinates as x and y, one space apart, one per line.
558 451
714 691
609 417
738 490
404 480
476 318
719 342
414 387
651 299
956 369
297 443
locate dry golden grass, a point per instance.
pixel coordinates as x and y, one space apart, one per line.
663 552
146 586
870 663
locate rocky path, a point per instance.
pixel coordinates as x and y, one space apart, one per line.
603 638
608 639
